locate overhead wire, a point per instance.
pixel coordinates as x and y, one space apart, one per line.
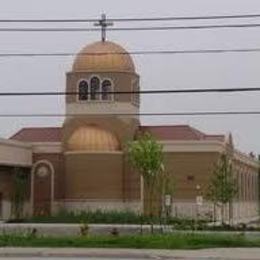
143 28
188 113
157 91
147 52
134 19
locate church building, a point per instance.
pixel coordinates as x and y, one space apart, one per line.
82 164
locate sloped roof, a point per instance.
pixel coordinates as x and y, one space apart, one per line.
166 132
179 132
38 134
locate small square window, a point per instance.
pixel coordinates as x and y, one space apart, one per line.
190 178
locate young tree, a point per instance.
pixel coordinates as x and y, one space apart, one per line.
147 157
166 187
19 192
223 186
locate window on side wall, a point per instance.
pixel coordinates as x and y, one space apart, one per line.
83 90
106 90
94 88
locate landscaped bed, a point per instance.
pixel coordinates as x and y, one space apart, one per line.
173 241
127 217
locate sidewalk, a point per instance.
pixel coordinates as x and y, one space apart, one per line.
219 253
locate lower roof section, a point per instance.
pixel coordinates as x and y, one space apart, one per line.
165 132
15 153
175 138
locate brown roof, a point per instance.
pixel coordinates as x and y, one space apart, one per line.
166 132
38 134
179 132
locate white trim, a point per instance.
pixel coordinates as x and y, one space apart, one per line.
32 182
93 152
193 146
14 164
242 157
47 147
93 200
15 153
10 142
103 72
103 108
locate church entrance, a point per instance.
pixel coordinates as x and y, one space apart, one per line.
42 188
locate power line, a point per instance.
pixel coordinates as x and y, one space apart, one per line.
199 113
159 52
133 19
178 18
158 91
150 28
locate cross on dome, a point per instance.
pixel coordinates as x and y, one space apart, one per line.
103 23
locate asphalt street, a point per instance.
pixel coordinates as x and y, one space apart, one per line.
129 254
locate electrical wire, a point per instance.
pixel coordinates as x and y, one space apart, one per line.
158 91
159 52
198 113
150 28
133 19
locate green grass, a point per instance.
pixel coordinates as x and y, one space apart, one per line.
173 241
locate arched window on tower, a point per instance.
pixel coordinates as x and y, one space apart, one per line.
136 95
94 88
106 89
83 90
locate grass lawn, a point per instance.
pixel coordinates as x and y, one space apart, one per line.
173 241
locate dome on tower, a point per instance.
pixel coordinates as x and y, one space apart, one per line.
92 138
103 56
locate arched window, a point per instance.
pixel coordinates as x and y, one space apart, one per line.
83 90
136 95
106 88
94 88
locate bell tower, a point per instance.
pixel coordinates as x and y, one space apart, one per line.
100 75
106 84
102 114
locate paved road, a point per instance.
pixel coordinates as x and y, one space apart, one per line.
59 258
105 258
129 254
69 258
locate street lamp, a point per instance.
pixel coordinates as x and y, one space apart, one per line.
199 202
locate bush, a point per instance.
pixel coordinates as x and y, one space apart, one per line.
94 217
128 217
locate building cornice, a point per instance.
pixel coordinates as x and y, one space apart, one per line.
15 143
244 158
92 152
47 147
193 146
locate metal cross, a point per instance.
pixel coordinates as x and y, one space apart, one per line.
103 23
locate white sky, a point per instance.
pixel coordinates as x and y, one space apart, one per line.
157 72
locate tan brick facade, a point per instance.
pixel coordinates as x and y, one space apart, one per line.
89 179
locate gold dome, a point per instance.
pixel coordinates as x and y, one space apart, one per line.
93 138
107 56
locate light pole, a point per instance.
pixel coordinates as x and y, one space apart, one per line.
199 202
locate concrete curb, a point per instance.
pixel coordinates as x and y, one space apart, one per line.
62 230
219 253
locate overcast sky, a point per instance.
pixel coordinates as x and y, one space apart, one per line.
156 72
